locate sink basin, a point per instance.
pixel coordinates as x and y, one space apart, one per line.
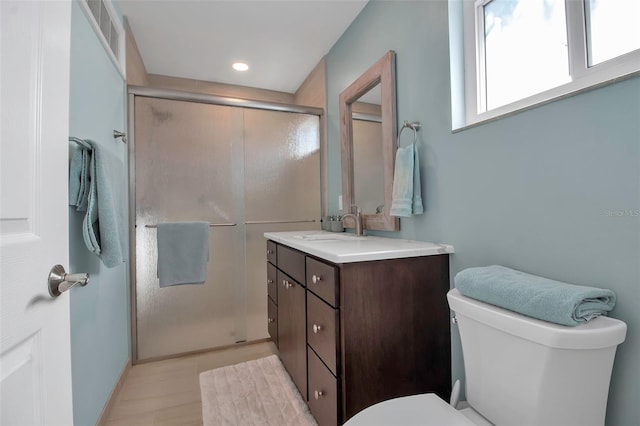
330 237
336 247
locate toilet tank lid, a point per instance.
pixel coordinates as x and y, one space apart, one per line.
601 332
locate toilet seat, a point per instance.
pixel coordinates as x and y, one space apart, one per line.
425 410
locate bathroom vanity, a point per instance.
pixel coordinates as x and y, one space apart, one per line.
358 320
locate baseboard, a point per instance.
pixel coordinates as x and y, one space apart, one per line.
102 420
201 351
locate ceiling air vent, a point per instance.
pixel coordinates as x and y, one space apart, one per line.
102 12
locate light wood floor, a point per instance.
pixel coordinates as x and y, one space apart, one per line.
168 392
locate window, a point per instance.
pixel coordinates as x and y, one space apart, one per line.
612 28
519 53
517 65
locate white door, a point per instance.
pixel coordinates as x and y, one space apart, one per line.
35 361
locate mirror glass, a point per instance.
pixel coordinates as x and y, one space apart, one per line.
368 133
368 179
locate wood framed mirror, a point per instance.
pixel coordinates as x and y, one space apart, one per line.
368 155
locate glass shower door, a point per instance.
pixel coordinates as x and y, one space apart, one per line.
254 169
282 193
184 160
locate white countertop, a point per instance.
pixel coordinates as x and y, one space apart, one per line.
345 248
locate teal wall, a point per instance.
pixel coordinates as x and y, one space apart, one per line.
538 191
100 311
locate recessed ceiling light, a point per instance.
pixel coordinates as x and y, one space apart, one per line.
239 66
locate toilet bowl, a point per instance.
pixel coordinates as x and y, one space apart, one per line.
426 409
509 358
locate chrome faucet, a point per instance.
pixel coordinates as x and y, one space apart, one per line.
357 217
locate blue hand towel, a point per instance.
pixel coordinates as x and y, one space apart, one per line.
406 194
417 187
97 186
183 252
535 296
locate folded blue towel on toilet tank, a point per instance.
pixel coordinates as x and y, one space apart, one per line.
535 296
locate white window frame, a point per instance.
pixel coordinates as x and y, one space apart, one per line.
583 77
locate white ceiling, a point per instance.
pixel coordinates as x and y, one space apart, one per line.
281 41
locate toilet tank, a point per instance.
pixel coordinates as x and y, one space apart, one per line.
524 371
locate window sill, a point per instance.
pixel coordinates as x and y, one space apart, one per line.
590 82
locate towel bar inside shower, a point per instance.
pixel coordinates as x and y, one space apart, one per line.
263 222
211 225
252 222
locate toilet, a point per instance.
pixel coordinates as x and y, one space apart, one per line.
519 371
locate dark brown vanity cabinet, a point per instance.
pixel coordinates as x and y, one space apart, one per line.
354 334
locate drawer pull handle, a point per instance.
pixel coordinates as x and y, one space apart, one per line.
316 278
317 328
287 284
269 251
270 320
269 281
317 394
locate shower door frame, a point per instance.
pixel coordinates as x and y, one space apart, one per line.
177 95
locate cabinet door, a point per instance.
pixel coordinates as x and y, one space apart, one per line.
272 284
272 321
292 330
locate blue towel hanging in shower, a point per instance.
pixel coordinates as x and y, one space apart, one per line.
183 252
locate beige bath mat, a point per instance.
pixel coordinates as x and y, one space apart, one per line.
254 393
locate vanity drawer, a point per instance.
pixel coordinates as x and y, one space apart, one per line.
271 252
322 279
272 319
272 286
322 331
323 392
291 262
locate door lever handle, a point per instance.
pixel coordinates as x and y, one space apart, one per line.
59 281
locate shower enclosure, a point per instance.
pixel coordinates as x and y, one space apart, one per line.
245 170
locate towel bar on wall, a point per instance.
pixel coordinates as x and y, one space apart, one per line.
116 134
415 126
80 142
